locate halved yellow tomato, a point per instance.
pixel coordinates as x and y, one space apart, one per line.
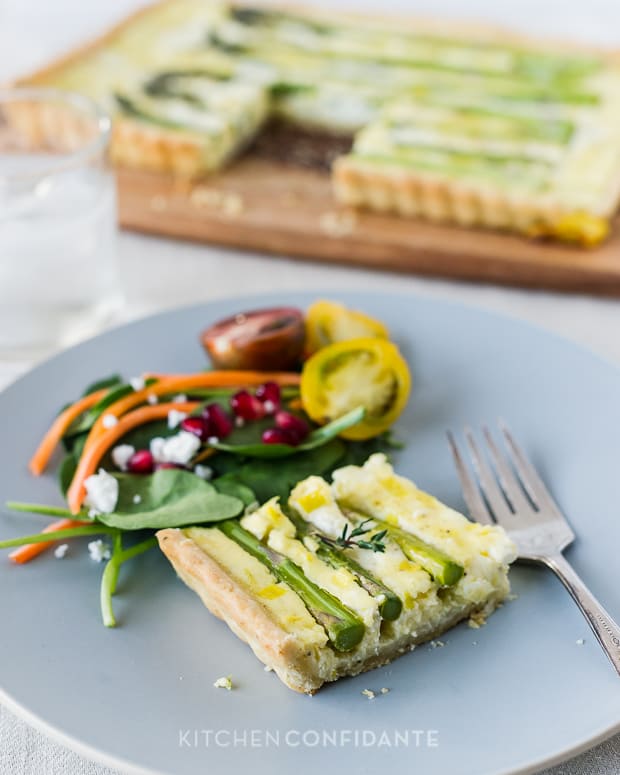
366 372
328 322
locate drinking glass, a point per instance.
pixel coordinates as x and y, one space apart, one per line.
59 278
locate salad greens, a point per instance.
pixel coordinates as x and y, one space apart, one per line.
168 498
109 579
222 480
317 438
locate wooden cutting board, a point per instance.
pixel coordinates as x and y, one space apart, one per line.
272 207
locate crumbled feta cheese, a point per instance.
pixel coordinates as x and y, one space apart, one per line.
157 449
175 418
102 492
121 455
109 420
239 422
61 551
225 682
98 550
368 693
212 440
137 383
137 499
179 449
152 399
93 513
204 472
384 690
180 399
580 642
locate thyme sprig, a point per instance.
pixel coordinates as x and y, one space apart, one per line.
349 538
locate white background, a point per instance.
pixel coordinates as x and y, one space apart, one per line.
159 273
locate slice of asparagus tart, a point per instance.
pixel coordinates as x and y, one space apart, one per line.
343 577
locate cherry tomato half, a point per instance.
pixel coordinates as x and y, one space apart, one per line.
264 339
328 322
365 372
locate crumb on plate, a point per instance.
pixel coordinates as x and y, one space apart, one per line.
225 682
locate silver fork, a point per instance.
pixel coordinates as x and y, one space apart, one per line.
533 521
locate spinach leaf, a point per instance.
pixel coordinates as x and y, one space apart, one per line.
230 486
106 382
358 452
87 420
168 498
317 438
140 437
66 472
74 445
266 478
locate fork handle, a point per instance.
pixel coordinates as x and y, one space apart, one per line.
604 627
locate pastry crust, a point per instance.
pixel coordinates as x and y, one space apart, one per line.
393 189
409 193
245 616
140 146
136 144
45 76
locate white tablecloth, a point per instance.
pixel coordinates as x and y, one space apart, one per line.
159 273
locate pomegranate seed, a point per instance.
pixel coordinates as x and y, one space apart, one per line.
278 436
141 462
199 426
219 421
293 425
247 406
270 391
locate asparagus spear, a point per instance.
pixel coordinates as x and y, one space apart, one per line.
344 628
391 606
439 565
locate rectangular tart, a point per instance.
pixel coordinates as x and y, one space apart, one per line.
451 122
314 607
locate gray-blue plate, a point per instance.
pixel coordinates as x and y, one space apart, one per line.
510 697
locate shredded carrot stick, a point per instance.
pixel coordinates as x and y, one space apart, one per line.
94 452
59 427
30 551
229 378
185 382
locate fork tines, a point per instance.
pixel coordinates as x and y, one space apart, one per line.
508 486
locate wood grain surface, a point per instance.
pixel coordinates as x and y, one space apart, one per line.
272 207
